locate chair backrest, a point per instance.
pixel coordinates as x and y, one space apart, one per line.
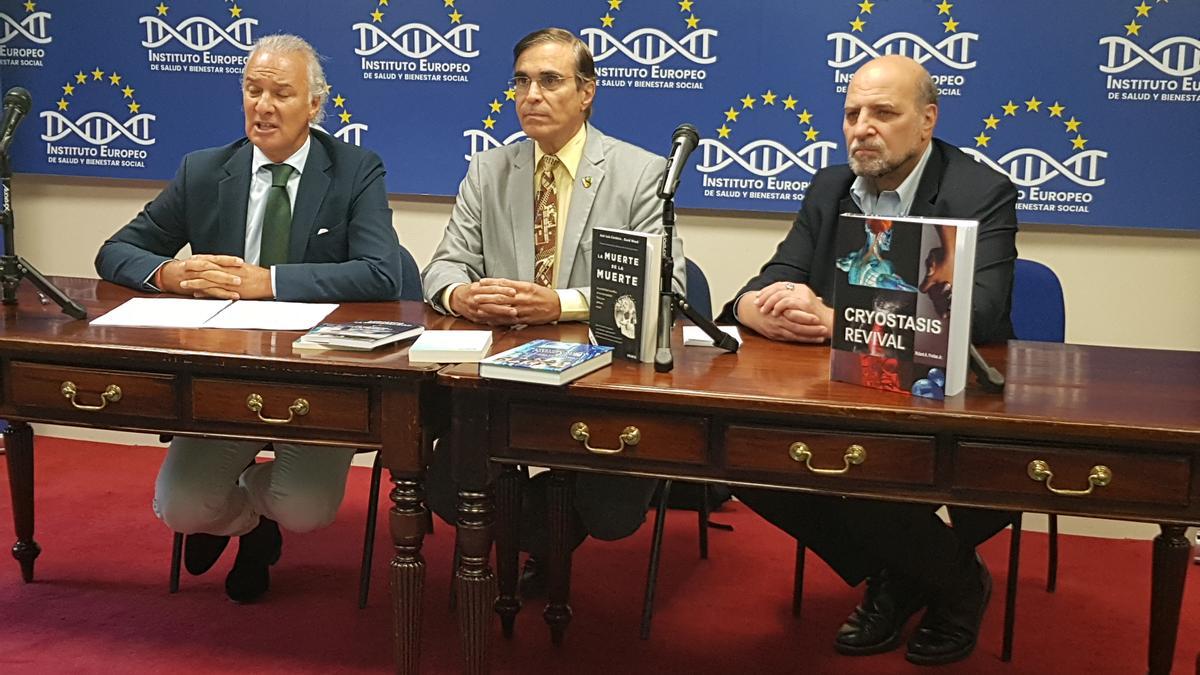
1038 311
410 277
698 295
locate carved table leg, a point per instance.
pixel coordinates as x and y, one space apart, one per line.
474 581
407 519
508 536
560 502
18 441
1166 595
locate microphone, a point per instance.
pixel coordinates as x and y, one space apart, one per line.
683 142
17 103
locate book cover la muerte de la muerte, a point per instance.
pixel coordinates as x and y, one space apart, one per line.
902 300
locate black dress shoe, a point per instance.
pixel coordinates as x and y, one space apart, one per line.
948 631
533 579
201 551
875 626
257 551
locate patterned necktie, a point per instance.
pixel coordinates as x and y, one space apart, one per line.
545 222
277 218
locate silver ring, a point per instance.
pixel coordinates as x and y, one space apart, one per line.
790 286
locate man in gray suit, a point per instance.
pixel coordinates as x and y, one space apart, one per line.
518 246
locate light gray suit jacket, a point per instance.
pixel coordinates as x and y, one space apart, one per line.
490 233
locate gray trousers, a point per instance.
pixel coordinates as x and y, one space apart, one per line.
204 485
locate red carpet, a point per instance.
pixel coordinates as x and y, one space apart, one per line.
100 604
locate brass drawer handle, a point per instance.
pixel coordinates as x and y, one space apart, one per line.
1099 477
630 437
112 393
298 407
855 454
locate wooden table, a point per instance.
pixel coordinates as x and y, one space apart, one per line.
737 418
197 382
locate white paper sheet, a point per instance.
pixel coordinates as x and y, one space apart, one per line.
694 336
271 315
162 313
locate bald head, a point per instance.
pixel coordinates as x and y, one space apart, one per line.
891 110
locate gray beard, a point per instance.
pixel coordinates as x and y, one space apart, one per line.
877 168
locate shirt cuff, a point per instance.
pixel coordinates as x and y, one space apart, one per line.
149 283
737 302
273 294
574 305
445 298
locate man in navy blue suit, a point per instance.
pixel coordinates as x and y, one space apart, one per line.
288 213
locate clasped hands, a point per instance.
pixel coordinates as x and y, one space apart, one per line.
788 312
225 277
504 302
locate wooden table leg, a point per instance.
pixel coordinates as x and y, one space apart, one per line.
560 503
475 583
18 442
508 553
407 519
1166 595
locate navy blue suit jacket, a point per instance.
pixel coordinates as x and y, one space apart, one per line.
342 236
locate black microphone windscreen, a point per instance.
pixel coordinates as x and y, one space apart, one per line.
19 98
687 130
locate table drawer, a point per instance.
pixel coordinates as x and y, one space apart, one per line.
823 454
1143 478
281 404
92 391
662 438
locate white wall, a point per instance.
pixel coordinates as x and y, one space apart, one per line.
1123 287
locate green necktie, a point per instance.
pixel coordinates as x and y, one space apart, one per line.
277 218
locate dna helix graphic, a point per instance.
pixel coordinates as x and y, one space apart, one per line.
1028 167
351 133
953 51
32 28
98 128
199 33
1178 56
650 46
482 140
416 40
764 157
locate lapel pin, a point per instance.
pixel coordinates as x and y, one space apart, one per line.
587 181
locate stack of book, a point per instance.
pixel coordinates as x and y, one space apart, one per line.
546 362
361 336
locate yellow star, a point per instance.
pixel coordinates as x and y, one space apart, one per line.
991 121
789 103
1010 109
80 78
693 21
345 116
1078 142
769 97
30 6
748 102
445 3
134 107
97 74
68 89
723 132
865 6
1033 104
62 104
981 140
115 79
811 134
1056 109
510 94
685 5
384 3
731 115
805 116
235 11
606 21
1132 28
162 9
377 16
951 25
857 25
456 17
615 4
339 101
1143 9
944 8
489 123
1072 124
495 105
127 91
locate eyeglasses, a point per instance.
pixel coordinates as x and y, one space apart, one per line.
545 82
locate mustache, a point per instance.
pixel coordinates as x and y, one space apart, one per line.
866 145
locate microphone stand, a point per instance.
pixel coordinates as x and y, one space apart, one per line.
669 300
14 268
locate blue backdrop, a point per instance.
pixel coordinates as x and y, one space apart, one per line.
1090 106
